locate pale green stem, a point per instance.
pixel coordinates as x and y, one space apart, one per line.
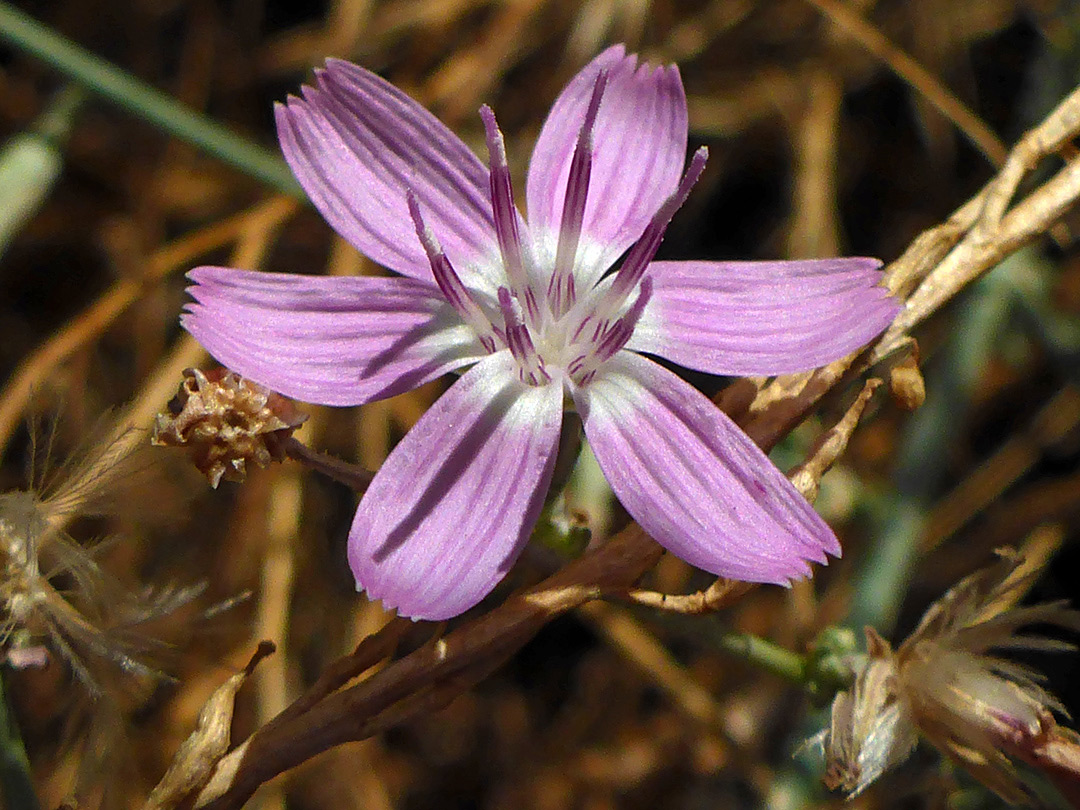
765 655
144 101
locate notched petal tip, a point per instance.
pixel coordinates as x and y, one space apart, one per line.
638 157
354 142
451 508
208 274
764 318
336 67
694 481
291 105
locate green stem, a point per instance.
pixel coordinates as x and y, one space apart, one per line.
16 784
145 101
765 655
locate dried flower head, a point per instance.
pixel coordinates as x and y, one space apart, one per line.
61 606
226 422
55 599
870 729
944 683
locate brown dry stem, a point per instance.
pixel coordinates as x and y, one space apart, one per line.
946 258
832 444
716 597
985 230
353 476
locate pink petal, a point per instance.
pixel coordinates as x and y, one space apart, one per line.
639 152
454 504
333 341
748 318
356 143
693 480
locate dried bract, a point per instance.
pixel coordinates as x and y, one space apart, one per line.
943 683
227 421
906 383
200 752
870 730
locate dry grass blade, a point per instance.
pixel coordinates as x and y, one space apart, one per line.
917 76
98 317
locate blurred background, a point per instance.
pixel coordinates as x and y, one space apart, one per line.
817 148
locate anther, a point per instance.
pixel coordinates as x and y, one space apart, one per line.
447 278
605 343
503 209
561 293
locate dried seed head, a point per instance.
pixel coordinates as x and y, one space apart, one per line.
56 600
227 421
870 728
942 683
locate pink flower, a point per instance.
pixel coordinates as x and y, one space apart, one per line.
530 307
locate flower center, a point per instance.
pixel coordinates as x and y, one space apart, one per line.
573 345
555 330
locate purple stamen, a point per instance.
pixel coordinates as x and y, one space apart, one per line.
502 203
643 251
519 340
619 333
610 339
447 278
532 309
573 213
571 291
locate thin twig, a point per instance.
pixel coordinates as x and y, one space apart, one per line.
831 445
717 596
351 475
1013 459
945 258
